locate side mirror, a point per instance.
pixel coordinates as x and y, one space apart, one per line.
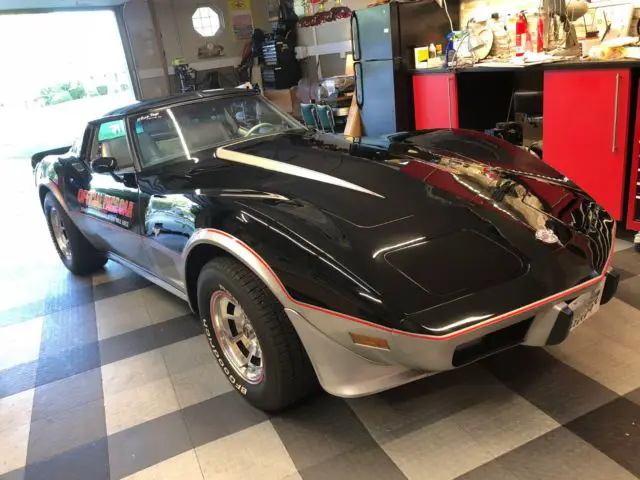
104 165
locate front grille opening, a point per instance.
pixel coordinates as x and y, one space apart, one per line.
491 343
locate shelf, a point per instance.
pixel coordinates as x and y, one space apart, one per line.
323 49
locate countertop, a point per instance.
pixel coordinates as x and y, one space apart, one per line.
562 65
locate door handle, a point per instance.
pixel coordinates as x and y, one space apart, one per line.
449 100
355 39
614 145
359 85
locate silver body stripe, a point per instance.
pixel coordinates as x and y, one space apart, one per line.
289 169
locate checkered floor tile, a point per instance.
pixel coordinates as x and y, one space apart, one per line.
110 377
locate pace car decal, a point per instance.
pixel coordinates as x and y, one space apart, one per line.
107 207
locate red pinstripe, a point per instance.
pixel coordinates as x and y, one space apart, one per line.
449 336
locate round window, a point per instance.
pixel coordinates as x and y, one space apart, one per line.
206 21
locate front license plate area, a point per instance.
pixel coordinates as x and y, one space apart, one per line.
586 306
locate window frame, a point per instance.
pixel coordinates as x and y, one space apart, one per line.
217 12
131 119
93 153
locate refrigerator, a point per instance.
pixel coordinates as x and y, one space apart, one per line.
384 38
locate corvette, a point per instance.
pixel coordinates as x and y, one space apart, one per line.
357 263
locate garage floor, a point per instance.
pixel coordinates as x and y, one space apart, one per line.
110 377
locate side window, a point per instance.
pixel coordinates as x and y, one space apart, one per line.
112 142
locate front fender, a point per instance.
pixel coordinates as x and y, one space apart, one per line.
299 274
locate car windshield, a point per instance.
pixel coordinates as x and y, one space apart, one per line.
187 131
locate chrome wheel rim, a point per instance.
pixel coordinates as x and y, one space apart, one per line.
60 233
236 337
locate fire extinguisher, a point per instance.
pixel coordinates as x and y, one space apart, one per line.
522 28
540 44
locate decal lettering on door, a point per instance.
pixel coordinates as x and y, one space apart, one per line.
107 207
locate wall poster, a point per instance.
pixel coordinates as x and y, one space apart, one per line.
241 19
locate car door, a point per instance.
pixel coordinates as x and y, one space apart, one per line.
108 203
167 218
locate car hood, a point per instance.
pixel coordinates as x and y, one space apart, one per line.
423 218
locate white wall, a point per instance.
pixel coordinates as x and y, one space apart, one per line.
162 30
148 58
181 40
338 31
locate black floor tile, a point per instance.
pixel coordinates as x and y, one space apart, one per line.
628 260
146 444
117 287
558 390
149 338
67 363
324 435
128 344
629 290
614 429
220 416
634 396
364 463
22 313
17 379
624 274
14 475
558 454
68 329
86 462
69 295
65 431
64 294
67 394
177 329
493 470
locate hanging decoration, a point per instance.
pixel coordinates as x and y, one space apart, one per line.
322 15
338 12
305 21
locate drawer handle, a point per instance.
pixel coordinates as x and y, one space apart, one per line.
449 104
614 146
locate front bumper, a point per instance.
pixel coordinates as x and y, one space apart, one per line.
347 369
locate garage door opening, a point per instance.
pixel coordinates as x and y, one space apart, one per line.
65 68
60 70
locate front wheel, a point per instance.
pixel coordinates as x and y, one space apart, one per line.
251 337
75 251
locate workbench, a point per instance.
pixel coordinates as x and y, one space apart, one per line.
591 129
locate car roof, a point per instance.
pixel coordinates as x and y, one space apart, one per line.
146 105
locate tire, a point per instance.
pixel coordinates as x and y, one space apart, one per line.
77 254
284 374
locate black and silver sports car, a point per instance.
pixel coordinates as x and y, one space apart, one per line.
358 263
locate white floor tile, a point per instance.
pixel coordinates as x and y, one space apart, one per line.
20 343
261 456
181 467
121 314
133 372
132 407
15 410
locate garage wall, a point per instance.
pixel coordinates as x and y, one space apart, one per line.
161 30
469 8
145 50
181 40
337 31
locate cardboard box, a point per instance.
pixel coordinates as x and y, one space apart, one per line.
286 99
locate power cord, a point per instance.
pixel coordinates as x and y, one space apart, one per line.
446 10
